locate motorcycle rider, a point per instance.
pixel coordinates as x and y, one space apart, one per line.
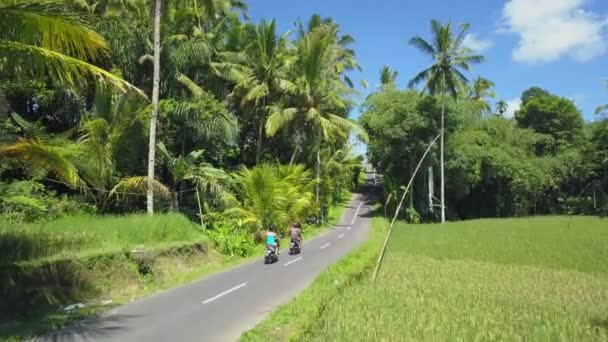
272 239
296 234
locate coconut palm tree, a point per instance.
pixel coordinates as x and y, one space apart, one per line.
207 179
259 74
480 90
318 103
273 194
344 56
444 77
501 107
388 76
153 118
213 10
42 39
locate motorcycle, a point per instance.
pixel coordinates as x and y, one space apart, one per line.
271 255
294 248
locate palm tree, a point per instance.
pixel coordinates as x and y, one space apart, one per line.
272 194
388 76
259 74
481 90
206 178
501 107
40 39
444 76
89 162
317 104
344 56
154 116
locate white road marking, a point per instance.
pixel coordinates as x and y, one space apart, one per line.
356 212
341 236
292 261
224 293
326 245
348 228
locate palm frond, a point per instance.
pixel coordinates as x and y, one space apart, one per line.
31 130
43 157
195 89
28 60
278 119
419 78
422 45
601 109
139 185
51 26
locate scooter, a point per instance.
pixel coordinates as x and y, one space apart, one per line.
294 248
270 255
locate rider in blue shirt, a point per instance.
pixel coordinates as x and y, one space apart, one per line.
272 238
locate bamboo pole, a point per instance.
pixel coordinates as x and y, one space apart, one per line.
200 210
390 228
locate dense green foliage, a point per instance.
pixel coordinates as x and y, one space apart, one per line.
496 279
544 161
234 97
251 125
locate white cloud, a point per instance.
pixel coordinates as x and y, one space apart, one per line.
513 105
551 29
476 44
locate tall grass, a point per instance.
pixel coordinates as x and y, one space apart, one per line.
537 279
559 242
77 235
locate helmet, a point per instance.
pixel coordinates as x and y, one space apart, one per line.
271 227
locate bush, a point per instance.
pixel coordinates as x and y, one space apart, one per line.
29 201
412 216
230 238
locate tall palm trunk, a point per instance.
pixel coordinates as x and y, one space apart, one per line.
155 91
318 185
258 148
441 158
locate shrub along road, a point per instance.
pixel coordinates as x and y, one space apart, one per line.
221 307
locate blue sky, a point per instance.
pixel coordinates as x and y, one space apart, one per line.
560 45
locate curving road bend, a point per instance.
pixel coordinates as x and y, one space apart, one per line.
222 306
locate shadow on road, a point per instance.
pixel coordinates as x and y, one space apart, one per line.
89 330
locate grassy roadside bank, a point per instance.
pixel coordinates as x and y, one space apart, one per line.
95 260
293 320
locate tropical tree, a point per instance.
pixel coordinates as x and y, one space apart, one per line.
318 103
259 74
88 162
501 108
388 76
273 194
207 179
153 117
480 91
444 77
42 39
344 56
212 10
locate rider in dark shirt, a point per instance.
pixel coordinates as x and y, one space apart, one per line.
296 233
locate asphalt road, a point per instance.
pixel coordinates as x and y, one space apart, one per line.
222 306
